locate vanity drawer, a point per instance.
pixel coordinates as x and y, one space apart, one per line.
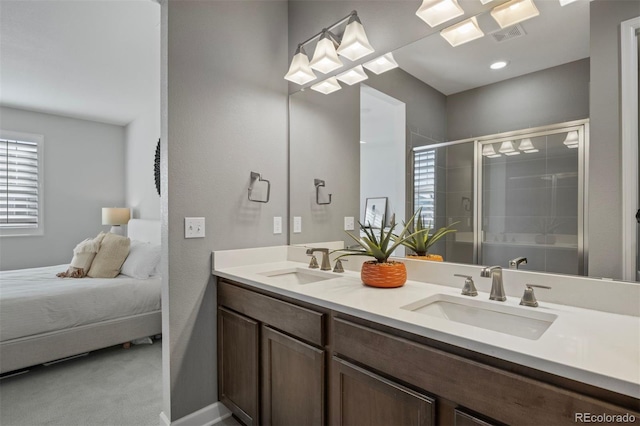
496 393
297 321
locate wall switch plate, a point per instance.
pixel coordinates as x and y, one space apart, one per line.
349 223
194 227
297 224
277 224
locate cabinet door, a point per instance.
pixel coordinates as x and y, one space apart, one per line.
360 397
292 381
465 419
238 345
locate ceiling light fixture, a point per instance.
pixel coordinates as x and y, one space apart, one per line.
507 148
354 45
514 11
300 72
527 146
485 1
489 151
498 65
353 76
327 86
435 12
571 141
566 2
382 64
462 32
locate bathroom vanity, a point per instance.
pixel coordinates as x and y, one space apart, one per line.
308 347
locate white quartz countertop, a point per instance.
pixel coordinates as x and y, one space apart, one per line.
594 347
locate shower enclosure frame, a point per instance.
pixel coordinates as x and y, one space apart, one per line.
581 126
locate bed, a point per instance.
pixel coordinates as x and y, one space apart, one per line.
45 318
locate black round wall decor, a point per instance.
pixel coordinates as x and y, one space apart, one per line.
156 167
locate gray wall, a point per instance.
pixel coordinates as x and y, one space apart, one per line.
83 172
605 195
225 115
553 95
324 144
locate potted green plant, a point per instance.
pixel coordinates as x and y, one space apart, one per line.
380 272
421 239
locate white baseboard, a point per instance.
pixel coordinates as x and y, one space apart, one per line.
207 416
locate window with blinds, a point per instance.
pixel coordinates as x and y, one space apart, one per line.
424 184
20 195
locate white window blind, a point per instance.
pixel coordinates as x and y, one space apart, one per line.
19 184
424 184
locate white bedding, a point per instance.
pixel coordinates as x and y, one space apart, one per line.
35 301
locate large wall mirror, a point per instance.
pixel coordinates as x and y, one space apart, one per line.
438 115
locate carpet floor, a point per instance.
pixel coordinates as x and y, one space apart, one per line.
109 387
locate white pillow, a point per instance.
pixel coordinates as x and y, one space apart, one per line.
142 260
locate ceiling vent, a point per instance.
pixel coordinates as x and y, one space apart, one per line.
508 33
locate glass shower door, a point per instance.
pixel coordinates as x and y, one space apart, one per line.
531 202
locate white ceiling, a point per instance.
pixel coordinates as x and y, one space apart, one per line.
557 36
95 60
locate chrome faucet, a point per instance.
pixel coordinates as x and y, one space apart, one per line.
515 263
325 265
497 287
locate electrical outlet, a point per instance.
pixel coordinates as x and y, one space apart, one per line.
194 227
277 225
297 224
349 223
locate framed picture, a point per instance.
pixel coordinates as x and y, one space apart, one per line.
374 212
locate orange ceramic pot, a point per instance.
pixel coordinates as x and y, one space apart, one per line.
386 275
433 257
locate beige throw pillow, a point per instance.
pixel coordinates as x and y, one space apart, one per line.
114 249
83 256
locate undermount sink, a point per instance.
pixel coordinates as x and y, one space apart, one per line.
506 319
298 275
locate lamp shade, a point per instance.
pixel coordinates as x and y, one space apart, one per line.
353 76
325 59
327 86
435 12
382 64
571 141
355 44
115 215
300 72
514 11
462 32
489 151
527 146
507 148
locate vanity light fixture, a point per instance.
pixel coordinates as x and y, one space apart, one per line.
327 86
527 146
498 65
325 58
571 141
514 11
489 152
353 45
462 32
353 76
435 12
507 148
300 72
382 64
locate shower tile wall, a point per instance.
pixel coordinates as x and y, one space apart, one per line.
530 207
459 202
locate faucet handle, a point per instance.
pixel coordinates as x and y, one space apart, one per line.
529 298
338 267
314 262
469 288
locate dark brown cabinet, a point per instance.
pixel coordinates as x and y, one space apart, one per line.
284 362
360 397
238 345
292 381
